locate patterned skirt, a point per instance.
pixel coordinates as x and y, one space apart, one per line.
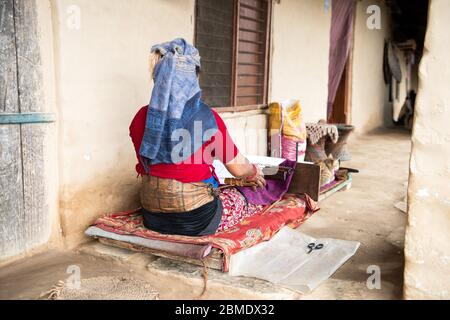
235 208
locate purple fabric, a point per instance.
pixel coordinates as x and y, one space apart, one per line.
273 191
341 36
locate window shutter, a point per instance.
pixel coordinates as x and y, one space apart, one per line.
233 39
214 40
252 55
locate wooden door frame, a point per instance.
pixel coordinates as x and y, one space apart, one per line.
348 105
349 86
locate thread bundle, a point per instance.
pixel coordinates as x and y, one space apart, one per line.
293 150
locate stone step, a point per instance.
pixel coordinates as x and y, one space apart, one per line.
180 280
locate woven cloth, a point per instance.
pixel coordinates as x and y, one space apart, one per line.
274 189
316 131
169 195
235 208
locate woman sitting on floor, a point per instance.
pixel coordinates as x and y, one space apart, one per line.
176 138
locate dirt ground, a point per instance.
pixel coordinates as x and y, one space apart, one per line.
365 213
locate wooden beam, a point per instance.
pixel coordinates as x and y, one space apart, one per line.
306 179
241 108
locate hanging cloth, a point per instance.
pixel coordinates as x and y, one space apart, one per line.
341 36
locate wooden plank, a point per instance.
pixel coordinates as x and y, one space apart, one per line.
246 23
250 46
306 179
28 57
241 108
251 36
242 16
249 91
252 30
342 186
254 7
12 238
8 70
37 221
12 218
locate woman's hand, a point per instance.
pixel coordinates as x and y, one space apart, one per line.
241 168
257 177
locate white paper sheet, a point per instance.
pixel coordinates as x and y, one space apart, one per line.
284 260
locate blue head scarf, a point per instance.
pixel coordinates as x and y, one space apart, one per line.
175 104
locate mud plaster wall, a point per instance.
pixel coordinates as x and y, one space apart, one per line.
102 80
427 244
300 50
370 106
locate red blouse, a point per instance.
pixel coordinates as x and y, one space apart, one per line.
220 146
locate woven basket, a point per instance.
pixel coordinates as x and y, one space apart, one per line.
316 152
339 149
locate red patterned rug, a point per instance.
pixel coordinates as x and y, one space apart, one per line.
291 211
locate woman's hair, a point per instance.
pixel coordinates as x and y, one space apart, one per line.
153 60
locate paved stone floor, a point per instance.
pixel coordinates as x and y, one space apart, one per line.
365 213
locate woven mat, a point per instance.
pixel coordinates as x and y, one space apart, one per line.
103 288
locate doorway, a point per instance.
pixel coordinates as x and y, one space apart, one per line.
340 61
341 112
